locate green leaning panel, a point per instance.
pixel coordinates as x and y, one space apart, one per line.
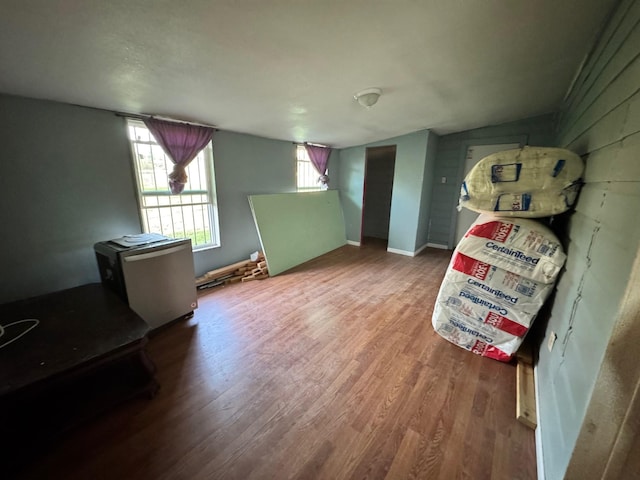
296 227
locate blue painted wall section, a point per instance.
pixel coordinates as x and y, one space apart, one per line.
68 183
449 164
424 217
410 192
600 122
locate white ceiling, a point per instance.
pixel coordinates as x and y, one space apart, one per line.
288 69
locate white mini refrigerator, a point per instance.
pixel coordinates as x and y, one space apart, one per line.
153 274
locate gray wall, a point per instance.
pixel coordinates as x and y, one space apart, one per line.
248 165
244 165
601 122
411 154
351 187
424 218
450 157
67 182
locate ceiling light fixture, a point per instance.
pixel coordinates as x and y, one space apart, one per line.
369 97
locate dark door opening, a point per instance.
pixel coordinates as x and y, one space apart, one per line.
378 190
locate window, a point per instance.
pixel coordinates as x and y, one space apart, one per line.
192 214
306 174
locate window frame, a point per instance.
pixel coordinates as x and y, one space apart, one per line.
210 191
317 186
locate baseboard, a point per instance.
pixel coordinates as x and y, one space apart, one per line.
539 456
401 252
437 245
406 252
413 254
421 249
351 242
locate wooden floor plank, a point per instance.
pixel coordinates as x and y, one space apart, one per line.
329 371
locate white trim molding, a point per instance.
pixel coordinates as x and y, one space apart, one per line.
420 249
437 245
413 254
351 242
401 252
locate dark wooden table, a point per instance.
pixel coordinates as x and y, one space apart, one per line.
86 354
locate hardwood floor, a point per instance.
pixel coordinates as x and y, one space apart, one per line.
329 371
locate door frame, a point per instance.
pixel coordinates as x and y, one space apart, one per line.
389 147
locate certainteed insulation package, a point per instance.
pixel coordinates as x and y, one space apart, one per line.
499 276
506 265
528 182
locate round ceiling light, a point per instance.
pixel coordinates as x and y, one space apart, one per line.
368 97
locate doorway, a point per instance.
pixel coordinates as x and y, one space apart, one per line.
475 153
379 169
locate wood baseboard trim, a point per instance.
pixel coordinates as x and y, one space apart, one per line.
525 391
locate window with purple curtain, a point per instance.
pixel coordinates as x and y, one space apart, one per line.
319 157
181 142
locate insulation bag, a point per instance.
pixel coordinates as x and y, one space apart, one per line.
490 296
524 182
472 335
485 309
493 295
518 245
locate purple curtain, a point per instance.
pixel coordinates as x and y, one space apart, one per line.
319 157
181 142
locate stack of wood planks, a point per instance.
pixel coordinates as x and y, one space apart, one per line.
255 268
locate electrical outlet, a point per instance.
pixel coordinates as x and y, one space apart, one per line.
552 340
443 180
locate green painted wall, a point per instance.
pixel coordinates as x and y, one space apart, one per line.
296 227
408 188
601 122
449 163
